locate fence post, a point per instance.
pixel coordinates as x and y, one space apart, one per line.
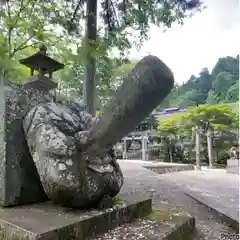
209 145
198 165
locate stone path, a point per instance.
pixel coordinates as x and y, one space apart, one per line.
142 182
215 188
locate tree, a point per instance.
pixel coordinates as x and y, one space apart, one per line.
212 98
169 126
208 87
23 25
204 83
220 116
119 17
226 64
223 82
232 94
90 70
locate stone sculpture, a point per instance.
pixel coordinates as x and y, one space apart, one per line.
55 134
73 151
234 151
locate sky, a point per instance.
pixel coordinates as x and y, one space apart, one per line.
204 38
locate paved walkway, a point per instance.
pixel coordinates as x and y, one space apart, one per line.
215 188
165 190
143 163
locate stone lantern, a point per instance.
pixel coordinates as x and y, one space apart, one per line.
45 66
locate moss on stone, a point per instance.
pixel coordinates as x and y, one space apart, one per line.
163 214
9 236
117 200
65 234
109 202
182 224
144 209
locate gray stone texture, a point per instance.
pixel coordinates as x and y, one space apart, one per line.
143 90
214 188
19 180
233 166
170 188
45 221
33 125
72 150
56 150
55 133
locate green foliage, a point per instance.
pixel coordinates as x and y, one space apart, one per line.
24 25
212 99
219 86
223 144
60 25
221 117
232 94
169 126
222 83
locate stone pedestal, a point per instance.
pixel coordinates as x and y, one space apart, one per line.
46 221
233 166
19 180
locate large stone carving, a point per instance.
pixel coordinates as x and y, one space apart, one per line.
55 134
72 150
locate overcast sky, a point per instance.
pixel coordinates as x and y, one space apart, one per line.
211 34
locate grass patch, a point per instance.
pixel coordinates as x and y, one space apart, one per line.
173 222
165 214
117 200
9 236
108 202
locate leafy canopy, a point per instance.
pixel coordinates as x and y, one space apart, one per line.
221 117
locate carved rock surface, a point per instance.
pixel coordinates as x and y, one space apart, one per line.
59 147
55 133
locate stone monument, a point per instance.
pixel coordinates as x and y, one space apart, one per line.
57 151
19 180
233 162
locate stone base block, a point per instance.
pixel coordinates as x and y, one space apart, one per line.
164 223
233 166
49 222
171 168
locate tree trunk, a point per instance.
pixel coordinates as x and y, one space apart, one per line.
90 70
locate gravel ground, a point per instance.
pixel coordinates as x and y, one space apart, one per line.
134 231
142 182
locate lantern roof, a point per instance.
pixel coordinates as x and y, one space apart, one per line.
41 61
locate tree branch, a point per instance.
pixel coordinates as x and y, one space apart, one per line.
115 13
19 12
32 8
21 9
79 4
22 46
26 46
9 33
8 8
